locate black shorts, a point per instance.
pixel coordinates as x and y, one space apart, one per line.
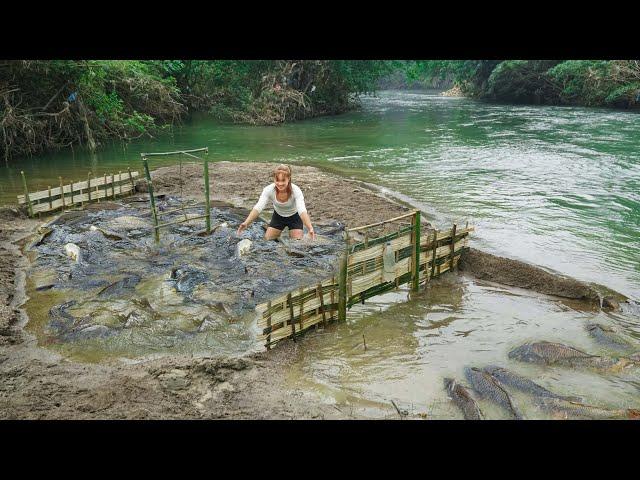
294 222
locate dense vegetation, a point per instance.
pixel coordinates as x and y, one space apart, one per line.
48 105
607 83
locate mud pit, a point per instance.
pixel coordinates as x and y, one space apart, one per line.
191 293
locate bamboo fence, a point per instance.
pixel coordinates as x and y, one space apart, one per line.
108 186
418 256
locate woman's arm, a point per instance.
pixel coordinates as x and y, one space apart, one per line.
262 202
307 223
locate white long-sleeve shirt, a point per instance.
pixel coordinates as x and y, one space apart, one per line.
286 209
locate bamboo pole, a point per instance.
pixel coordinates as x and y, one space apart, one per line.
433 258
301 308
133 185
416 252
293 327
154 214
324 315
269 325
355 229
206 192
50 204
62 193
26 195
453 245
160 154
72 202
89 185
342 285
120 181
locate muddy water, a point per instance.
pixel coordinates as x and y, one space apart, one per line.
413 341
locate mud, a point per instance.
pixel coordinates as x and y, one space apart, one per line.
37 383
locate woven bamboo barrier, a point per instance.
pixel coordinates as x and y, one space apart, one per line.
419 256
93 189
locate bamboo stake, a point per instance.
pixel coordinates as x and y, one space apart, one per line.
293 327
50 205
269 325
72 202
453 245
89 185
206 192
120 181
324 315
133 185
301 308
26 195
151 200
342 288
416 252
433 258
332 295
160 154
62 193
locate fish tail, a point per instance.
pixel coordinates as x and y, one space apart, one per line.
633 413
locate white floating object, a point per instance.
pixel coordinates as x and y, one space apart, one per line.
243 247
72 250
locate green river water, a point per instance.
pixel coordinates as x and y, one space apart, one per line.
554 186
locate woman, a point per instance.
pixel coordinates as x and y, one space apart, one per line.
288 205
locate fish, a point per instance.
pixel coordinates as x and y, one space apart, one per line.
523 384
463 399
488 387
550 353
60 318
117 287
608 337
73 251
186 278
243 247
566 409
106 233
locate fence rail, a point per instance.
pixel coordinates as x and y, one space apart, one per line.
413 256
92 189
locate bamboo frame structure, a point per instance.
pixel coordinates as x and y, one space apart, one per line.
361 276
155 214
66 196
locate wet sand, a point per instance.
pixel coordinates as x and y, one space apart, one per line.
36 383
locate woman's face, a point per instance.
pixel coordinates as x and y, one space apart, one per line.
281 182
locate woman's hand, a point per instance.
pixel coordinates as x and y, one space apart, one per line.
242 227
312 234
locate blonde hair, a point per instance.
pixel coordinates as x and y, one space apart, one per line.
285 170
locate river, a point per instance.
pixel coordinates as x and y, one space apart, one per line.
555 186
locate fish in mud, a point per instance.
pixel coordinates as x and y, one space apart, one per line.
487 387
187 279
608 337
73 251
119 286
510 379
550 353
463 399
243 247
565 409
60 319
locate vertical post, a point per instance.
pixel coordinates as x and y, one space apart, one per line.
72 193
113 188
81 199
62 193
342 282
50 204
152 200
333 295
133 185
105 186
453 244
207 200
89 185
301 308
269 325
320 294
293 326
26 195
433 258
120 181
416 251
